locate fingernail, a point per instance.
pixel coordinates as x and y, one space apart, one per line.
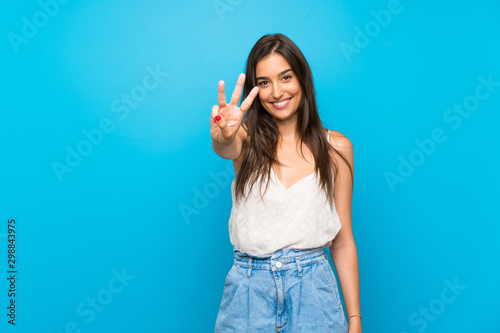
217 118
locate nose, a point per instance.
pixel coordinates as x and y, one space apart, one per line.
277 91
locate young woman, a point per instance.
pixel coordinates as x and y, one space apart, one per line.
291 199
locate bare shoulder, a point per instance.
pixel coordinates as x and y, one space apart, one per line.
340 141
343 152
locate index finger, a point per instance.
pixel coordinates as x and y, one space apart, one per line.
245 105
221 98
237 90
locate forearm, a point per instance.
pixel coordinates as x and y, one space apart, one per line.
227 150
345 259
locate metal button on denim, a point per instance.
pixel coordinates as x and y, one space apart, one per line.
278 264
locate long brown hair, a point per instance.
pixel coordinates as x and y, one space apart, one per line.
261 148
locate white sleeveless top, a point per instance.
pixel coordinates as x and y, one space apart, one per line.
298 217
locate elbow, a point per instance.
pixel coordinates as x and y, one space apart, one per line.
343 243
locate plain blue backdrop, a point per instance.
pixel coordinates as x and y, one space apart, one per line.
122 207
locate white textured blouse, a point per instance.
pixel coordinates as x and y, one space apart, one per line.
298 217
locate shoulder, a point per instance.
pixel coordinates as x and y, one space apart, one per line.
342 153
343 147
339 140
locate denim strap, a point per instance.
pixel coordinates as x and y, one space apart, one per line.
299 267
249 267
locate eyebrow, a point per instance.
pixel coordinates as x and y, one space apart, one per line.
281 73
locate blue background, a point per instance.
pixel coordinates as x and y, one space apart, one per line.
151 200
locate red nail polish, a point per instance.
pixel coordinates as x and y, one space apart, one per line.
217 118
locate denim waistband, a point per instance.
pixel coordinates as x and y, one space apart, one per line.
282 259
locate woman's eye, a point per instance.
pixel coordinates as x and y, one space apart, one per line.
262 83
287 77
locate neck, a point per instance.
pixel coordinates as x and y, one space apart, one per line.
287 130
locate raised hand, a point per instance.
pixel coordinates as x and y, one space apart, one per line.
226 118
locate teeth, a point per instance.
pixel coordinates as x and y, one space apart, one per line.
282 103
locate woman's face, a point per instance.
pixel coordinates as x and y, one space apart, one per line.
279 88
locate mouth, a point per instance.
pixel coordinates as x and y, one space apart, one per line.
281 104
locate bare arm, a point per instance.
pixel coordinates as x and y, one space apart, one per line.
343 248
230 150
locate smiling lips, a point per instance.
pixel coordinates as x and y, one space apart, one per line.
281 104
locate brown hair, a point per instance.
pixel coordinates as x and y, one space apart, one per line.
260 149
